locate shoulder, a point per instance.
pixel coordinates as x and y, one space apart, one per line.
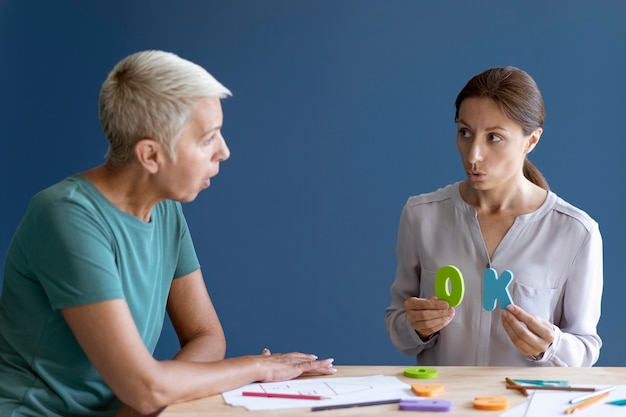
59 190
570 213
67 195
74 189
441 205
442 194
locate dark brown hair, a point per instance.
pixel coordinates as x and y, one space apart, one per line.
518 96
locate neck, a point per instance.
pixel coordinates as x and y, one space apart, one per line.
521 198
128 188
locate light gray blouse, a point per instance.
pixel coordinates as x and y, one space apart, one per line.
554 253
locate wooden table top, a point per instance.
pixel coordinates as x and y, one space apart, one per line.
462 384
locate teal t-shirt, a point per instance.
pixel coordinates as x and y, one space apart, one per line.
73 247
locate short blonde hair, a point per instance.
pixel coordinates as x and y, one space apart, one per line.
150 94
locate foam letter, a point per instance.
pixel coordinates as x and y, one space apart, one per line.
491 403
449 277
496 289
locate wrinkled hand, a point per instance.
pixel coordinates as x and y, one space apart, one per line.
428 315
285 366
530 334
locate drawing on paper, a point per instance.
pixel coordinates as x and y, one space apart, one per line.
326 389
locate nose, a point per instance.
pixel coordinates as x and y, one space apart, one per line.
223 152
475 152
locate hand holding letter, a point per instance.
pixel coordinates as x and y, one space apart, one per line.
530 334
428 315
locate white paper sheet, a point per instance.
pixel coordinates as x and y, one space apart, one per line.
554 403
339 390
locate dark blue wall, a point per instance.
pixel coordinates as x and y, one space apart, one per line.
341 110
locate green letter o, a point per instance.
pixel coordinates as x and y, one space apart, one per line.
457 286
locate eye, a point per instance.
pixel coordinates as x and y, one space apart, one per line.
464 133
495 138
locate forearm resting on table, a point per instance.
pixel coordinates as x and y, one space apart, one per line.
179 381
209 348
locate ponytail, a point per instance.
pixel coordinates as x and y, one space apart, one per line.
534 175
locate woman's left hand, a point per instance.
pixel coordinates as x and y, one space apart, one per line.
530 334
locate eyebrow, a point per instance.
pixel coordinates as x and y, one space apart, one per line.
212 130
460 121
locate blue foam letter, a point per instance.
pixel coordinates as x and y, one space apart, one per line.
496 289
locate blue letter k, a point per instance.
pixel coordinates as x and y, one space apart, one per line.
496 289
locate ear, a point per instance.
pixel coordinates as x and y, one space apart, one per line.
149 153
533 139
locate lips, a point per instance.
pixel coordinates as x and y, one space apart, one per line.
475 174
207 182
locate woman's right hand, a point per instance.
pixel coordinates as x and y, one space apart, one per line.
427 315
285 366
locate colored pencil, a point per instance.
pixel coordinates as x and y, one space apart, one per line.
279 395
365 404
587 396
585 404
517 387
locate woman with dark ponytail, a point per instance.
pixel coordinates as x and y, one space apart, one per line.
502 218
